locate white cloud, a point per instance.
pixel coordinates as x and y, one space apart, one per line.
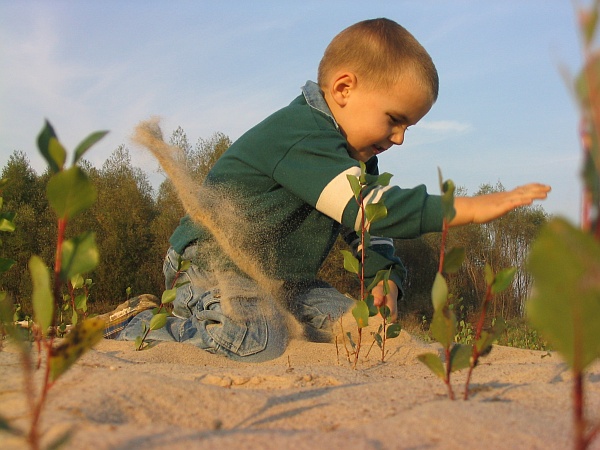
445 126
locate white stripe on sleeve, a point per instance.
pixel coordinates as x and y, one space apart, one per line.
337 194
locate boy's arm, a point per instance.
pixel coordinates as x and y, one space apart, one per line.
487 207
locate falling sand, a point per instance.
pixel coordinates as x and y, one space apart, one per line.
212 210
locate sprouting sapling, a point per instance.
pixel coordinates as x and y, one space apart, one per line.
365 307
443 327
69 192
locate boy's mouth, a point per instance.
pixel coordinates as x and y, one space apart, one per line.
377 149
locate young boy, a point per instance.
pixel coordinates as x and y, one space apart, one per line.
287 177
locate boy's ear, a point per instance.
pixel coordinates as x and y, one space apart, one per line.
342 87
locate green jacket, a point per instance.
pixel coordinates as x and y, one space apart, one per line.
287 177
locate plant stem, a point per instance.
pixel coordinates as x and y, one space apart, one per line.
579 420
34 435
62 226
448 371
362 271
160 308
443 246
480 323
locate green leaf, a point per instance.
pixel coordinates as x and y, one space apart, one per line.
565 305
384 179
363 173
443 327
381 275
384 311
447 189
393 331
168 296
378 339
355 185
434 363
503 279
51 149
6 222
80 339
370 301
70 192
439 292
6 264
183 265
74 317
77 281
460 357
158 321
79 255
81 302
42 299
375 212
86 144
351 264
454 259
361 314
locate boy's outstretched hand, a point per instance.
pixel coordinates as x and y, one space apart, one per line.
487 207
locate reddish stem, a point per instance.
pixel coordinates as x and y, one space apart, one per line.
48 342
448 372
443 246
581 442
362 269
479 329
62 226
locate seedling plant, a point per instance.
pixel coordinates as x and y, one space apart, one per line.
365 307
444 328
69 192
160 314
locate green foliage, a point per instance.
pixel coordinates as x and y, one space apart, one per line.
365 307
69 192
459 347
159 316
565 262
79 339
79 255
7 225
43 300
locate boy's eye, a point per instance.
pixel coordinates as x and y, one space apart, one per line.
394 119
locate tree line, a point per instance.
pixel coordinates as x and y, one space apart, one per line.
133 223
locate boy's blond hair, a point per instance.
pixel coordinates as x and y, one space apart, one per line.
379 52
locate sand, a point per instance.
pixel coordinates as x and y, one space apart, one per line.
177 396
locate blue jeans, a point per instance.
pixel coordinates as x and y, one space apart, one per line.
229 314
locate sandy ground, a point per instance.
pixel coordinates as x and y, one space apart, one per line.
177 396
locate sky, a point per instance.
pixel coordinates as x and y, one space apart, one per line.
505 113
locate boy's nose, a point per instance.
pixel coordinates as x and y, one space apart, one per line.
397 137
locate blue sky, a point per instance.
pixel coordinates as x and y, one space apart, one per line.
504 112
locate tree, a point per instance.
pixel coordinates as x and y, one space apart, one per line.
122 216
24 195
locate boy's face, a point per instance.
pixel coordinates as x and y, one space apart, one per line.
372 120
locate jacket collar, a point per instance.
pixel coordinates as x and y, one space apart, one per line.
314 97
